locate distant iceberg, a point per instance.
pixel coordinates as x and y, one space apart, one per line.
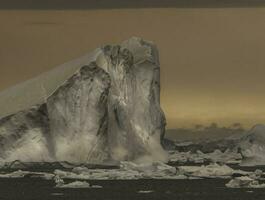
252 146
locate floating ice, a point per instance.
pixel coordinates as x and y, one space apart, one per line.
208 171
227 157
127 171
244 182
21 174
75 184
145 191
16 174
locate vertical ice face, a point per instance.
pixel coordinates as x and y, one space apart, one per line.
25 136
78 116
136 121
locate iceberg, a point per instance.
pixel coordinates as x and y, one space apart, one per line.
102 106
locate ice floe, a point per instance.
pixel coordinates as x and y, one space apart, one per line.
75 184
145 191
227 157
21 174
127 170
244 182
208 171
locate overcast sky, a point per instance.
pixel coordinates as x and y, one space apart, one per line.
212 59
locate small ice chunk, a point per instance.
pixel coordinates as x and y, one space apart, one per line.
145 191
56 194
75 184
58 181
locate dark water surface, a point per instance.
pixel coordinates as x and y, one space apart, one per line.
205 189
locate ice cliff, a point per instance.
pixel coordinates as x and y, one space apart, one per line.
102 106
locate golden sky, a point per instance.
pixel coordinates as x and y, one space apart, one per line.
212 60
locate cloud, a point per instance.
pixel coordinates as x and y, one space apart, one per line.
110 4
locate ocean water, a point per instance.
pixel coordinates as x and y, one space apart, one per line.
36 188
200 189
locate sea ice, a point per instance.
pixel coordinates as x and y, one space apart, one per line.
127 170
208 171
75 184
21 174
227 157
244 182
145 191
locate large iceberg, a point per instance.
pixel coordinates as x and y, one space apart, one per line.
102 106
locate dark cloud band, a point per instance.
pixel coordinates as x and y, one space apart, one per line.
113 4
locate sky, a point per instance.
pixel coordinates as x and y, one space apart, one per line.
212 57
121 4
